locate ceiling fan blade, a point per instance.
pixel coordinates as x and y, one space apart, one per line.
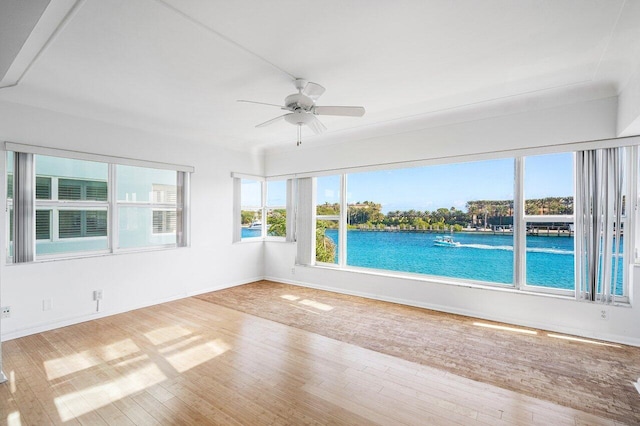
349 111
273 120
313 90
316 125
260 103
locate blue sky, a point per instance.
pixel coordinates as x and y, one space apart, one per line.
452 185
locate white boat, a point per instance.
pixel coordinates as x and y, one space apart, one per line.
445 242
255 225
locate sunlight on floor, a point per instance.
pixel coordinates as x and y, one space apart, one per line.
317 305
192 357
12 381
306 302
577 339
13 419
165 334
181 344
119 349
290 297
60 367
76 404
504 328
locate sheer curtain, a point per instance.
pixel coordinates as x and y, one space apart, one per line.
24 207
599 190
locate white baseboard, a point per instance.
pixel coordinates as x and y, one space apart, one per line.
614 338
64 322
38 328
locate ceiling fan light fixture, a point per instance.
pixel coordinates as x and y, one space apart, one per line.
303 109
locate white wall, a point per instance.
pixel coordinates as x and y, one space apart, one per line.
130 280
591 120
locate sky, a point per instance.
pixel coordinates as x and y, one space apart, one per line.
452 185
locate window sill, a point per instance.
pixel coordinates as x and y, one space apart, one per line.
49 259
505 288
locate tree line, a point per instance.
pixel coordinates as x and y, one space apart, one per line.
479 213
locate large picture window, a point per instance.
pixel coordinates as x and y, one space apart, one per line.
507 222
451 220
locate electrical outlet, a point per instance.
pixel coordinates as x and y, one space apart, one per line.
293 271
46 304
6 311
97 294
604 314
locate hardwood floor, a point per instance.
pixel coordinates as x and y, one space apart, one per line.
195 362
584 374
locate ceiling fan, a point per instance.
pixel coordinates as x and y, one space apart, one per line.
303 109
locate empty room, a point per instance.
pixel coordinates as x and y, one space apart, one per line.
418 212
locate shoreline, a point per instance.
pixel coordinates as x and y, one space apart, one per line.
506 232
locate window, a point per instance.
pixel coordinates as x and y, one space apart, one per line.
276 208
401 220
263 209
251 208
328 219
73 203
147 206
516 222
549 207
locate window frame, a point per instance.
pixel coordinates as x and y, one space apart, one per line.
263 209
632 174
111 206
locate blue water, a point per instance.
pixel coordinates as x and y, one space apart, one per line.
550 260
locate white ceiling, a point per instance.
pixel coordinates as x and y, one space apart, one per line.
178 66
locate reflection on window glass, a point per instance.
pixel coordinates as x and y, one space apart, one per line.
146 185
277 208
135 229
77 228
147 206
453 220
251 208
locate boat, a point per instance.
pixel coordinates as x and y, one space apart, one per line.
445 242
256 225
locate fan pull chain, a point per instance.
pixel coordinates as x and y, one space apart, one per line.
299 135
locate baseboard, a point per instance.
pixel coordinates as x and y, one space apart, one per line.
39 328
226 285
64 322
473 314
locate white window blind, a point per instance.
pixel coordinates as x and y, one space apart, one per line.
305 221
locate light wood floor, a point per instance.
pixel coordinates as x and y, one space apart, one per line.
194 362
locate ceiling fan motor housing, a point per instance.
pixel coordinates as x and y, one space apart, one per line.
298 101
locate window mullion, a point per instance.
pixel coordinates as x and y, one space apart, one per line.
342 227
519 227
112 210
